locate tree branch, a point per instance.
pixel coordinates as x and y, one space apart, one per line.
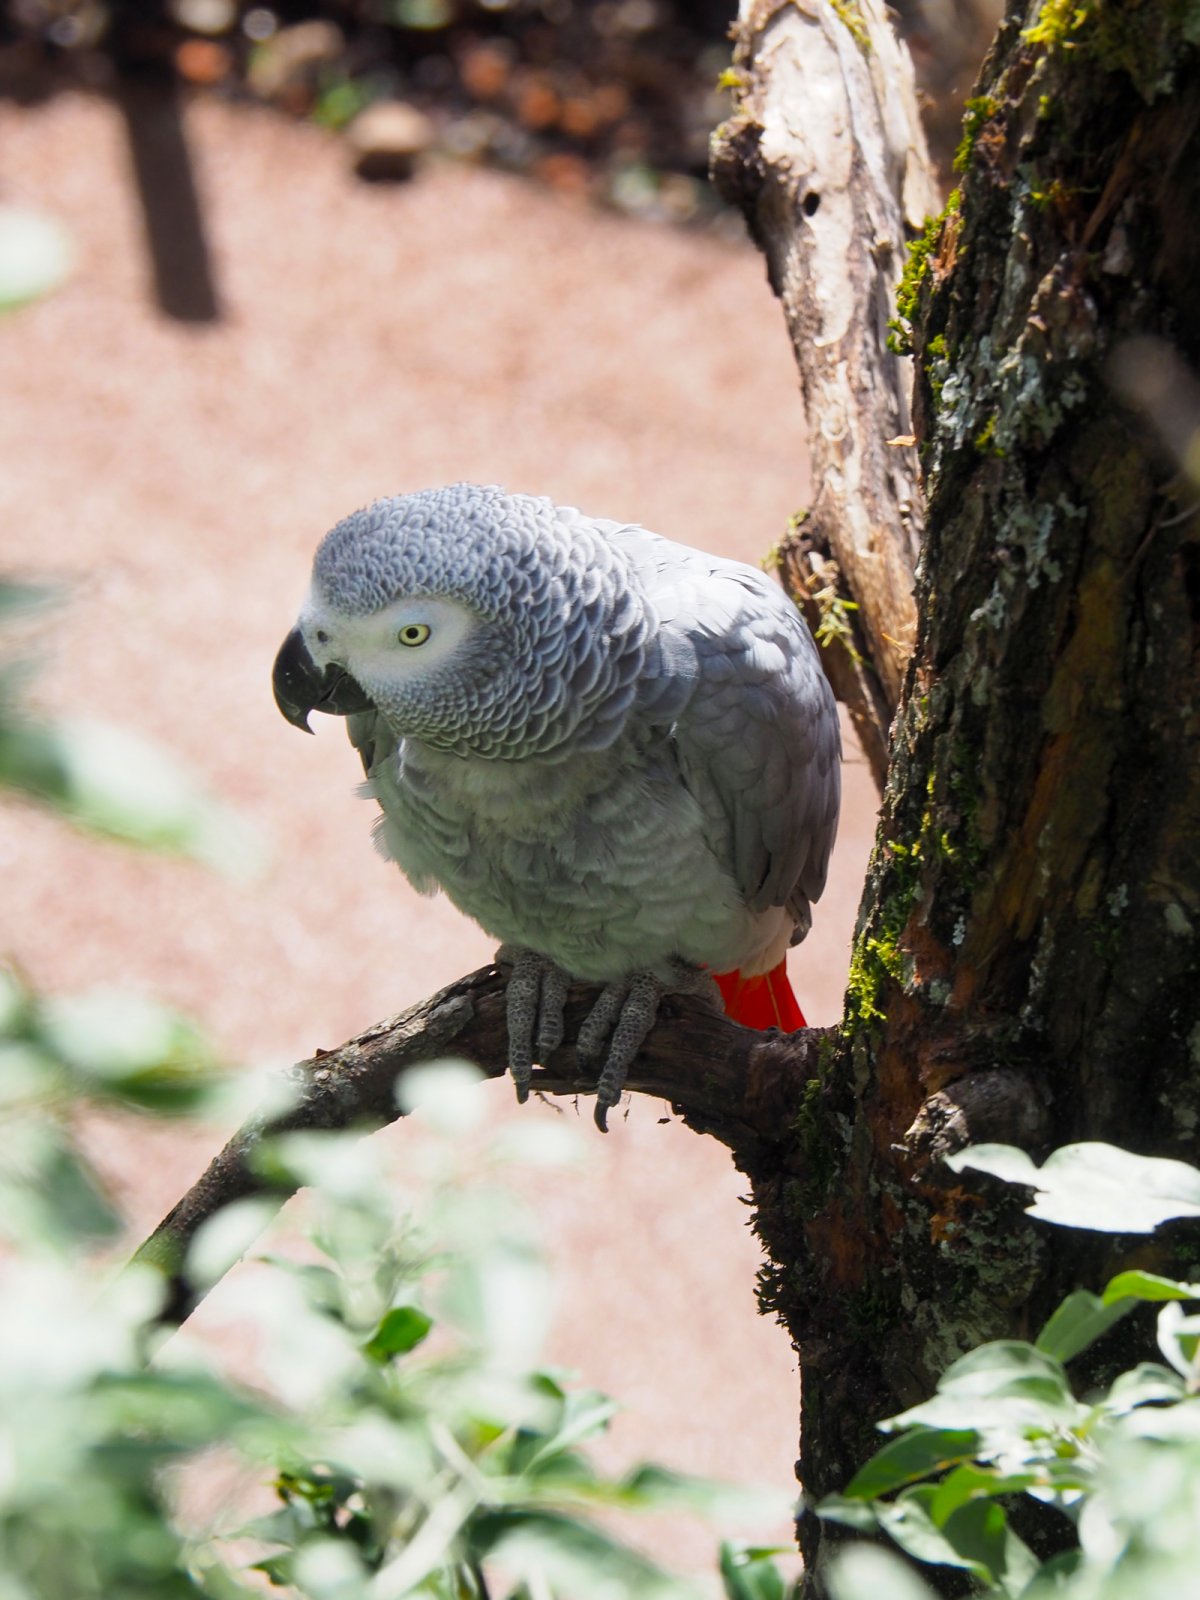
825 157
738 1085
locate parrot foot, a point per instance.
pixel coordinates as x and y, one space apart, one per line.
612 1033
535 999
616 1027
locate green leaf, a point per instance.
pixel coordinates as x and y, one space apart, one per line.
650 1487
972 1482
35 255
184 1410
1004 1161
1178 1337
1146 1384
129 1046
1053 1576
908 1522
856 1514
867 1572
750 1573
978 1530
1094 1185
401 1330
1005 1391
916 1454
16 1004
21 599
584 1414
1148 1286
1003 1369
49 1193
28 1075
568 1555
1176 1426
975 1536
1079 1321
277 1569
108 780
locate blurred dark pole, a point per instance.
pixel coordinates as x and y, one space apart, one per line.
151 103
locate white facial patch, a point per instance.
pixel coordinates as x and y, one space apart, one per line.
411 637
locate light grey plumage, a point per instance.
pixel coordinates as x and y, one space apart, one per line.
618 754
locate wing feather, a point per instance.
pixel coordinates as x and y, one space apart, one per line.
754 720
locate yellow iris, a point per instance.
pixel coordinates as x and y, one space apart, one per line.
413 633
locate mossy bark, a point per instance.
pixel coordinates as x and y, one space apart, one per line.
1027 963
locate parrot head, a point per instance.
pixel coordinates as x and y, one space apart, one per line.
476 621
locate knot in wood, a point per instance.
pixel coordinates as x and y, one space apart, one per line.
995 1105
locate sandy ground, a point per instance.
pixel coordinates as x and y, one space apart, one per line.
378 340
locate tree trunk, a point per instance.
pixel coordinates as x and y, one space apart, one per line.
1027 962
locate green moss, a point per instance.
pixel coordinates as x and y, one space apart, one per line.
977 111
819 1137
771 560
985 440
876 958
937 356
1057 21
835 625
948 834
965 797
807 1195
1054 196
1150 42
851 18
864 983
908 290
871 1312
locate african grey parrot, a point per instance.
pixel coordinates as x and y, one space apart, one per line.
617 754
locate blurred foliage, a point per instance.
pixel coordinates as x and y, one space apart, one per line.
102 1048
415 1445
99 777
1121 1466
35 257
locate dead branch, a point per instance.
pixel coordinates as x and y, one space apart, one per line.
825 156
738 1085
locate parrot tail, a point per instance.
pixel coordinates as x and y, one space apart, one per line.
765 1001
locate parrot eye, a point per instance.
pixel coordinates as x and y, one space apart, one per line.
322 636
413 633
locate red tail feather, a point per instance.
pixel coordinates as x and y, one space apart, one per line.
765 1001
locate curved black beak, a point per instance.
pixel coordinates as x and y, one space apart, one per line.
301 686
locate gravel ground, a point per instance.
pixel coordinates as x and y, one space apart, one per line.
376 340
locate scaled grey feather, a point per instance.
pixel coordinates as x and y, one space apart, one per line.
634 750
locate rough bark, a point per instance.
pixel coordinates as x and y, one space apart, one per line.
825 156
1026 964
